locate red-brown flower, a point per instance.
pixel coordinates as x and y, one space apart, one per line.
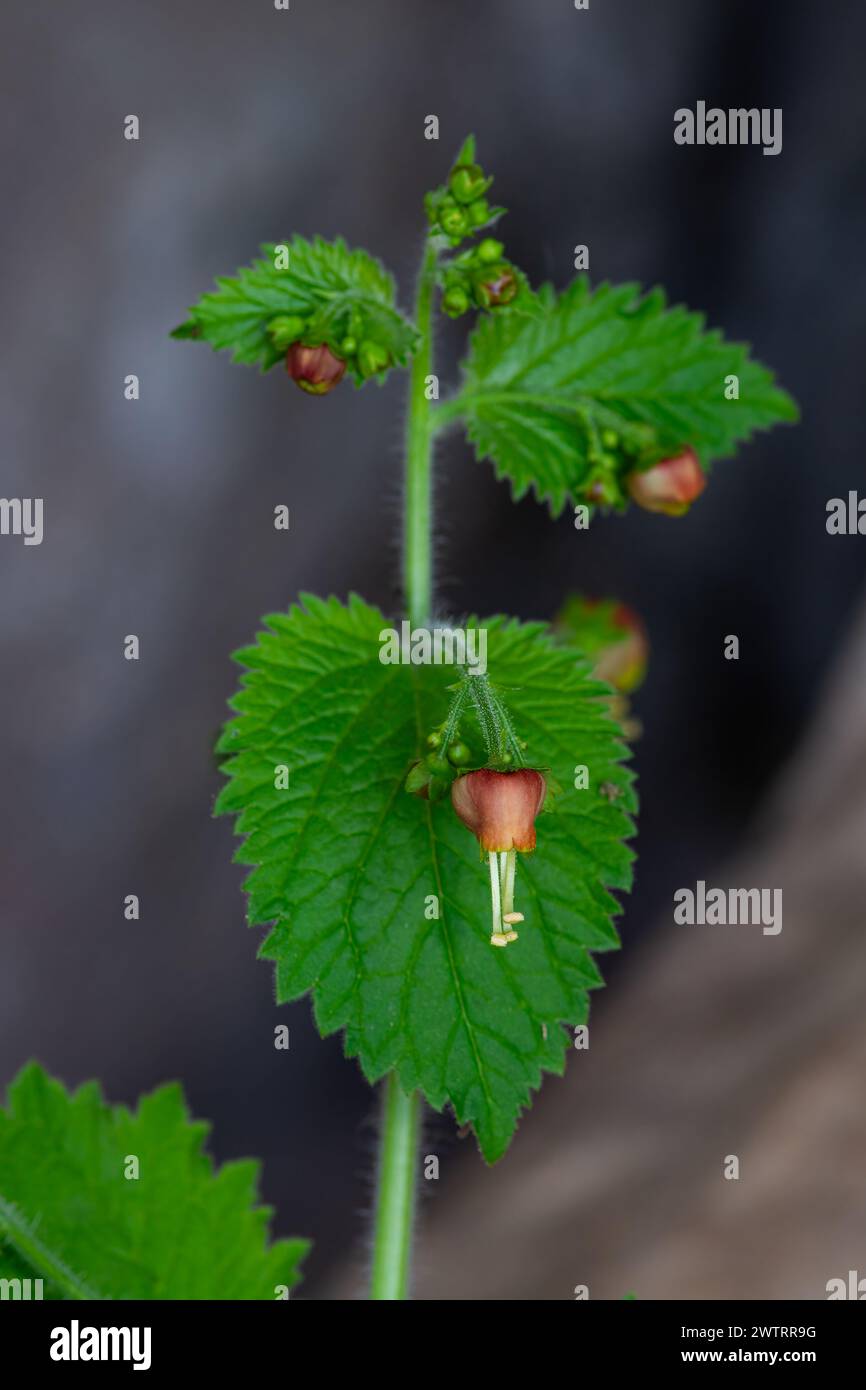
315 369
500 807
499 287
623 664
670 486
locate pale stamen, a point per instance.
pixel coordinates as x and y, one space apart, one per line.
498 937
510 868
507 870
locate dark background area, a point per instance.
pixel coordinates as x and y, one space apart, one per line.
158 514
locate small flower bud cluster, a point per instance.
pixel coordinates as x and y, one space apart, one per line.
433 774
479 278
612 455
316 365
460 208
624 464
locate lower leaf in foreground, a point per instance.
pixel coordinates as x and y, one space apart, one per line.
379 901
98 1202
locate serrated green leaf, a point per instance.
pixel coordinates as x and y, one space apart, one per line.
347 863
538 392
324 283
69 1215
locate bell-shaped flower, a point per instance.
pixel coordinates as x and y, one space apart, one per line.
500 809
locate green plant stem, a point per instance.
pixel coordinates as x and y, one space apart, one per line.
395 1206
398 1152
20 1235
418 516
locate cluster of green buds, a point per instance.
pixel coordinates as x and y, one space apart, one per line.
459 208
492 742
625 465
317 362
479 278
433 774
612 456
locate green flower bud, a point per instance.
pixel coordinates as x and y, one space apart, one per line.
610 439
286 329
479 212
467 182
453 221
416 779
459 754
372 357
437 788
438 766
489 251
349 346
455 301
434 739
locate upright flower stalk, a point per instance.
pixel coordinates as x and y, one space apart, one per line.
328 313
418 507
401 1113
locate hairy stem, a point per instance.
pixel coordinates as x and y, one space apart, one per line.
21 1236
418 517
395 1207
499 732
398 1154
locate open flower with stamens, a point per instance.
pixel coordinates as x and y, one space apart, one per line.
500 809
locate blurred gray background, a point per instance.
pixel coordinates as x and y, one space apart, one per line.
158 514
